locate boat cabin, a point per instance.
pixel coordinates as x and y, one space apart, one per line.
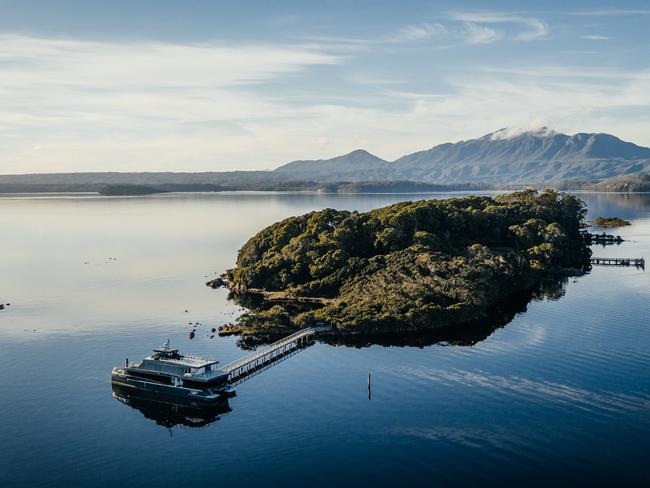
168 366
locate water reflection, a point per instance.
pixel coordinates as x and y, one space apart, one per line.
561 393
169 414
468 334
624 205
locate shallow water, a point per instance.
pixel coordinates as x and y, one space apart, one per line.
560 393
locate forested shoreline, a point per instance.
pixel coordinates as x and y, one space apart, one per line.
410 266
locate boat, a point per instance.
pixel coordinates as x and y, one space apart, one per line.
167 375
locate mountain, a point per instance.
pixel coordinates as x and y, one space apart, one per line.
525 157
358 165
504 156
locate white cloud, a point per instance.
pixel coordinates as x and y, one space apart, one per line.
151 106
534 28
478 34
511 132
485 100
148 63
593 37
90 103
418 32
469 28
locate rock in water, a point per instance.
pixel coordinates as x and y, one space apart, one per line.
216 283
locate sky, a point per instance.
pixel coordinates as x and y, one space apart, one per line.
200 85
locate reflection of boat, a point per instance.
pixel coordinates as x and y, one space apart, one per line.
167 375
170 413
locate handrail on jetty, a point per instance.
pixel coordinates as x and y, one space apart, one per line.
637 262
242 368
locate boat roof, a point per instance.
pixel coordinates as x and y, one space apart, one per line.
189 361
171 356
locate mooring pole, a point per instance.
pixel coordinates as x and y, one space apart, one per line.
369 394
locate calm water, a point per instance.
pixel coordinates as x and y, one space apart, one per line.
560 395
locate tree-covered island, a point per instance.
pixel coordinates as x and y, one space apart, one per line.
411 266
610 222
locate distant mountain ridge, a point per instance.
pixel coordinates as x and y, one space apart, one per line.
503 156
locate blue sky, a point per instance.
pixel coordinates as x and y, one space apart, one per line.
206 85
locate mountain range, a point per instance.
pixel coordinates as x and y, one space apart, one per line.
504 156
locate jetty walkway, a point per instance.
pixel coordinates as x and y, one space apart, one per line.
264 358
637 262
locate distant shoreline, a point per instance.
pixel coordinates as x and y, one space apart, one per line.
45 195
141 184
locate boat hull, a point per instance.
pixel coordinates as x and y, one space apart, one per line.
168 393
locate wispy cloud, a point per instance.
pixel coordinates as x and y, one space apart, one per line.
460 27
148 63
101 101
72 105
534 28
417 32
593 37
480 34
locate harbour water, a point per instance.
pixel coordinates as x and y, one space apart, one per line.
559 395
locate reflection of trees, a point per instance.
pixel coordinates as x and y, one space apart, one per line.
462 334
466 334
553 289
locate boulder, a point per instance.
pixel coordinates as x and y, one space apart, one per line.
216 283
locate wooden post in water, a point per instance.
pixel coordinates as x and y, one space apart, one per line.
369 394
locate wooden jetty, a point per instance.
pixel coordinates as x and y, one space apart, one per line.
261 360
637 262
601 238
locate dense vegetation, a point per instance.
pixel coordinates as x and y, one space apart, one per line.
610 222
408 266
637 183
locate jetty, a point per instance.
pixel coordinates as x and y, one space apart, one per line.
268 356
637 262
601 238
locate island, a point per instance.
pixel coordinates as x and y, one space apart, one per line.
610 222
411 266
